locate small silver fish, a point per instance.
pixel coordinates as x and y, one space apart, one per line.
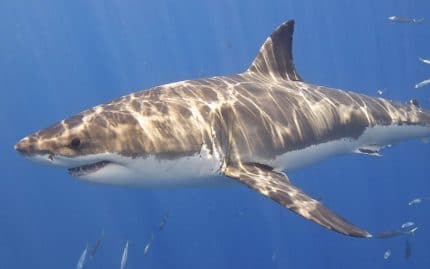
164 221
407 224
415 201
273 256
387 254
408 249
97 245
424 60
412 231
401 19
422 83
82 258
146 249
379 92
124 256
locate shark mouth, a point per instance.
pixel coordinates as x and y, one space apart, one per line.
87 169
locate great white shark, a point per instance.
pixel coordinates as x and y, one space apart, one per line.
252 127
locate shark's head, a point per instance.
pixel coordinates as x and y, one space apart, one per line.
129 142
86 144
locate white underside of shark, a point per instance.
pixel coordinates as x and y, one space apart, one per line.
373 138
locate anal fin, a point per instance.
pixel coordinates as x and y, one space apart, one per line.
277 187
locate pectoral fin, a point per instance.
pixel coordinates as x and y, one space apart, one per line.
277 187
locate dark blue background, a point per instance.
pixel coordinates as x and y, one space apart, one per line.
61 57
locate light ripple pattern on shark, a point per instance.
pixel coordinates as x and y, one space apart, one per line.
248 127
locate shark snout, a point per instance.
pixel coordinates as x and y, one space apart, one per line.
25 146
29 146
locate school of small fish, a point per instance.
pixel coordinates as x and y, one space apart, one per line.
409 224
408 228
90 252
401 19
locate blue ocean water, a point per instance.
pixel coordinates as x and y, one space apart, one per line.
61 57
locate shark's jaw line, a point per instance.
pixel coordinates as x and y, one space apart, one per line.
87 168
79 166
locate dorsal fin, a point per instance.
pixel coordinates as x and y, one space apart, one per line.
275 57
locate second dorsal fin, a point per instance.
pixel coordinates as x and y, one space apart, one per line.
275 57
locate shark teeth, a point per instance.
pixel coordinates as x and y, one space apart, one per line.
87 169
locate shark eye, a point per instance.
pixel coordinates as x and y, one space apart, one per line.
75 143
